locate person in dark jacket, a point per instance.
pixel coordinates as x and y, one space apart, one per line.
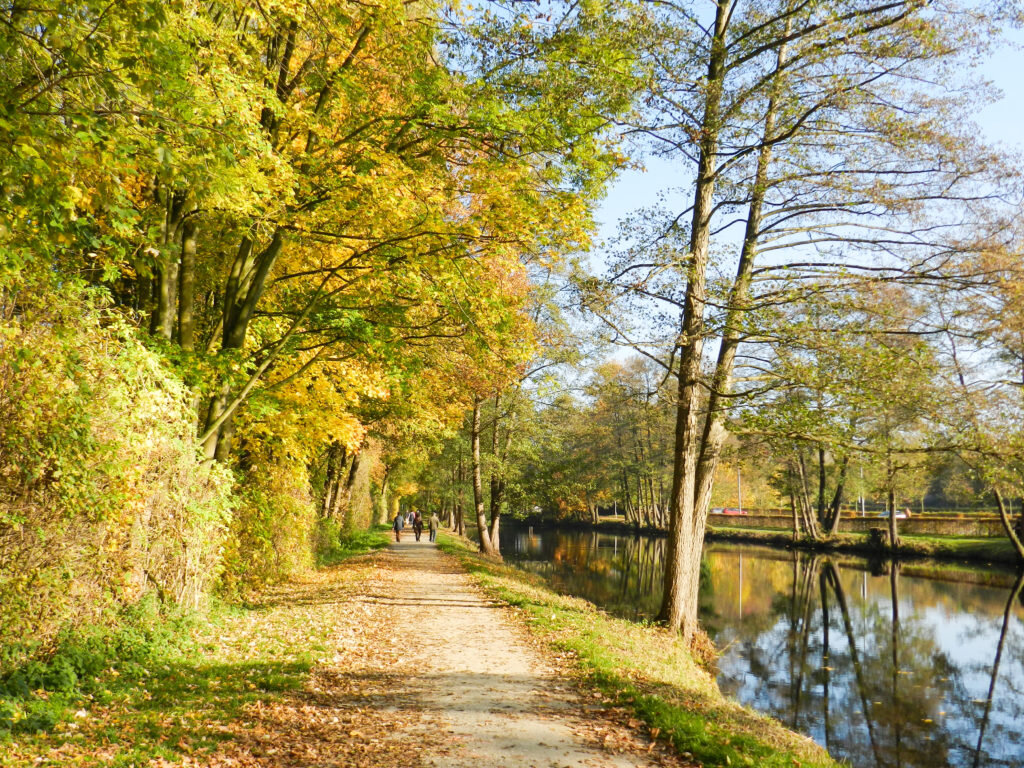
417 525
398 525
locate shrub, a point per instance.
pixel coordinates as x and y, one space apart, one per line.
103 494
273 531
34 693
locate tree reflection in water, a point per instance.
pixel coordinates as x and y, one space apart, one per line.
908 667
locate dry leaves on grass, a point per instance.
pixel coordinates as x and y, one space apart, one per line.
250 699
355 709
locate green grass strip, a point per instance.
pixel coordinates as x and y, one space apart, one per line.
358 543
159 686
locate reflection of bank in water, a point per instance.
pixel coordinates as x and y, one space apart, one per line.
911 666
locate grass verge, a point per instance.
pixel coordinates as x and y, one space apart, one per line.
646 670
988 550
159 687
175 698
339 547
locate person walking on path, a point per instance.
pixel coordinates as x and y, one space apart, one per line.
417 525
434 523
398 525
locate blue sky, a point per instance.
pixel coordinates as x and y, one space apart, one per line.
1002 122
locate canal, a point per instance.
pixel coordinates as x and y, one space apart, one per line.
920 665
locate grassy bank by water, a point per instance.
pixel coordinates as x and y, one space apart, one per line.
968 549
159 687
987 550
646 670
993 550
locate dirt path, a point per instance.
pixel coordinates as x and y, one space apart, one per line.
479 679
412 667
429 672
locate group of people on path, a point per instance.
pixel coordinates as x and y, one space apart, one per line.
414 519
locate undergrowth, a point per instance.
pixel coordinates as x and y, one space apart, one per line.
646 670
333 546
38 693
146 676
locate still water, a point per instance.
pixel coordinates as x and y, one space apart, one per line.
915 666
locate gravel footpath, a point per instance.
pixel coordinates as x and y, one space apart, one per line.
476 680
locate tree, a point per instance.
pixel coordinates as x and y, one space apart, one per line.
983 416
814 128
852 374
317 218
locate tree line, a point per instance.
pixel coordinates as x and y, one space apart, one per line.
831 281
254 253
270 267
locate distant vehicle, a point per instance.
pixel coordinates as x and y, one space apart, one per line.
727 511
899 515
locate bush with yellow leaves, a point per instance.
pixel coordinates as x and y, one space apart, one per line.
103 494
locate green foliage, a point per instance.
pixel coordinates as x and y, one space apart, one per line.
103 496
295 222
272 531
35 694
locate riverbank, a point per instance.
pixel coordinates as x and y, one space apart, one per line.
952 548
990 551
644 671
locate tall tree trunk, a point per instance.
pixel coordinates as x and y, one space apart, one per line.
166 286
339 499
224 441
347 514
478 491
821 485
498 476
186 284
494 452
894 536
144 296
834 513
625 495
460 502
216 409
1008 526
496 501
332 479
739 297
797 529
242 293
695 461
167 289
384 507
810 519
686 530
